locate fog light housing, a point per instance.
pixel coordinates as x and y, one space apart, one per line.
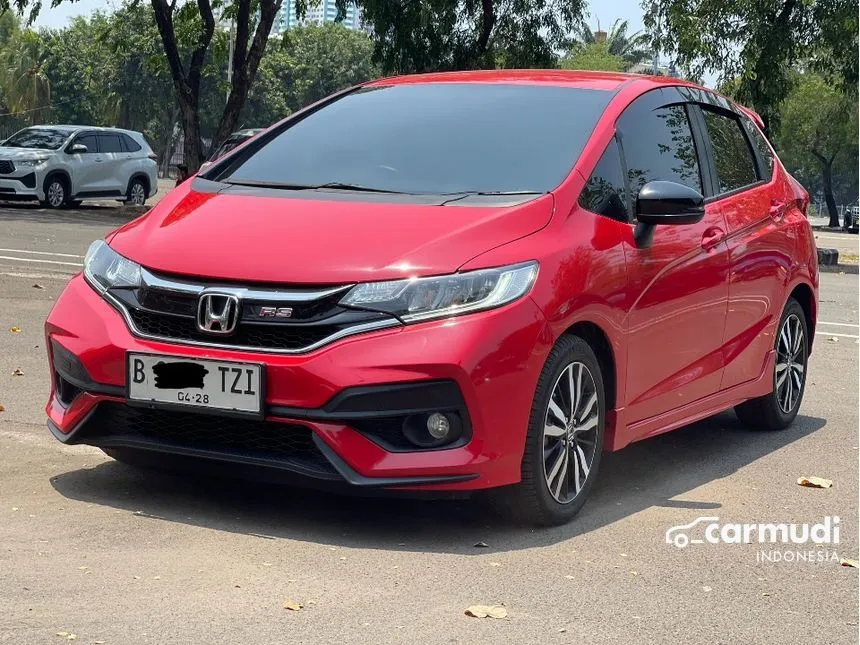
432 430
438 425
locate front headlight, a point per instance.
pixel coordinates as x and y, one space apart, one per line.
105 269
440 297
30 163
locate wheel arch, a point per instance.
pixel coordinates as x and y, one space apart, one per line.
144 178
803 293
599 342
64 175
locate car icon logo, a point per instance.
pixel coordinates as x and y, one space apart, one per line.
678 535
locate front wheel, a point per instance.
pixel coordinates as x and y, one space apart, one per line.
565 437
55 193
776 411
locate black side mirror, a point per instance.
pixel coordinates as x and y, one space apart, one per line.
77 148
666 203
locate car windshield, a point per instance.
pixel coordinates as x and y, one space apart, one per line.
436 138
38 138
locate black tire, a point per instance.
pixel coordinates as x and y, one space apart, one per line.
73 203
771 412
531 500
136 193
56 192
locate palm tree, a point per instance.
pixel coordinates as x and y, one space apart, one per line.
633 48
25 83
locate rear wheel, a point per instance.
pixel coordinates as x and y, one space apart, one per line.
136 195
776 411
565 437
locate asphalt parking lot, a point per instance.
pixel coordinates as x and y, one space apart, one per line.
113 555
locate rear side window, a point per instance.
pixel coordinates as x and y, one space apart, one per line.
433 138
130 144
110 143
761 146
733 156
658 145
604 192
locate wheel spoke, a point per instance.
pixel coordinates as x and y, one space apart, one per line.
551 431
577 484
780 367
572 392
562 475
798 336
588 424
557 412
784 340
589 406
582 460
797 367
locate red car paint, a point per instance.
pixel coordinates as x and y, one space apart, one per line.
690 320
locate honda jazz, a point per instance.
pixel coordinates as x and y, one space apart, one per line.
447 283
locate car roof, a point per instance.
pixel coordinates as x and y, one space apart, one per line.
559 77
77 128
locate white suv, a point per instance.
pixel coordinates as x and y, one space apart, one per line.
63 164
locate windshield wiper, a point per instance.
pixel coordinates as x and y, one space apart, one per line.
334 185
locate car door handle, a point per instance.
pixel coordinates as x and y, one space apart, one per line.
712 236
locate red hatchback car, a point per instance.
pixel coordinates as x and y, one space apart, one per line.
450 282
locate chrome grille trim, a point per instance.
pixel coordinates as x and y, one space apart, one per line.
190 288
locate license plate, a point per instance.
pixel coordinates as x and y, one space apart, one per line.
192 382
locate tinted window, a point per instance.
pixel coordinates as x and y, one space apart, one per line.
732 154
760 144
110 143
433 138
44 138
130 144
89 140
658 145
604 192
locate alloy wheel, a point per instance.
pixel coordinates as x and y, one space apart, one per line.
56 194
570 432
790 363
138 195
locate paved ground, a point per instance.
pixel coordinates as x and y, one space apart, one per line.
113 555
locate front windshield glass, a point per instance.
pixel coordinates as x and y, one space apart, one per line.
435 138
38 138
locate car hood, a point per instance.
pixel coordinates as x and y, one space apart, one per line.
23 153
317 240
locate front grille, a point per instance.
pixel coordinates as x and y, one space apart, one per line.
289 443
167 309
6 167
291 337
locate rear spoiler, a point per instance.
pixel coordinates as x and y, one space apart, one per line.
753 115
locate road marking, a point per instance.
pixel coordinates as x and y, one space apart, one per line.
828 333
38 276
68 264
838 324
60 255
835 237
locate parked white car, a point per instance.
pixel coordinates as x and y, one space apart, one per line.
61 165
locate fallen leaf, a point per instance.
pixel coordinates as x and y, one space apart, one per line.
706 588
634 573
833 339
18 372
495 564
71 637
38 286
98 643
2 409
292 606
487 611
481 545
14 508
15 330
561 630
765 593
814 482
570 577
62 633
267 564
845 562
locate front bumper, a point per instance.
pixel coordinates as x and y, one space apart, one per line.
22 184
486 364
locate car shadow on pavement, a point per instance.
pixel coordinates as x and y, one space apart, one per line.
647 474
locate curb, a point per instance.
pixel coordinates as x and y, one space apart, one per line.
848 269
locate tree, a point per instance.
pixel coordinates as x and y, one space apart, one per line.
759 42
594 56
432 35
631 49
818 139
26 86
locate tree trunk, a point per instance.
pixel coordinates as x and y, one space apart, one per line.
246 60
827 184
192 155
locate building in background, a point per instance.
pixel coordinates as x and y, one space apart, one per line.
323 11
